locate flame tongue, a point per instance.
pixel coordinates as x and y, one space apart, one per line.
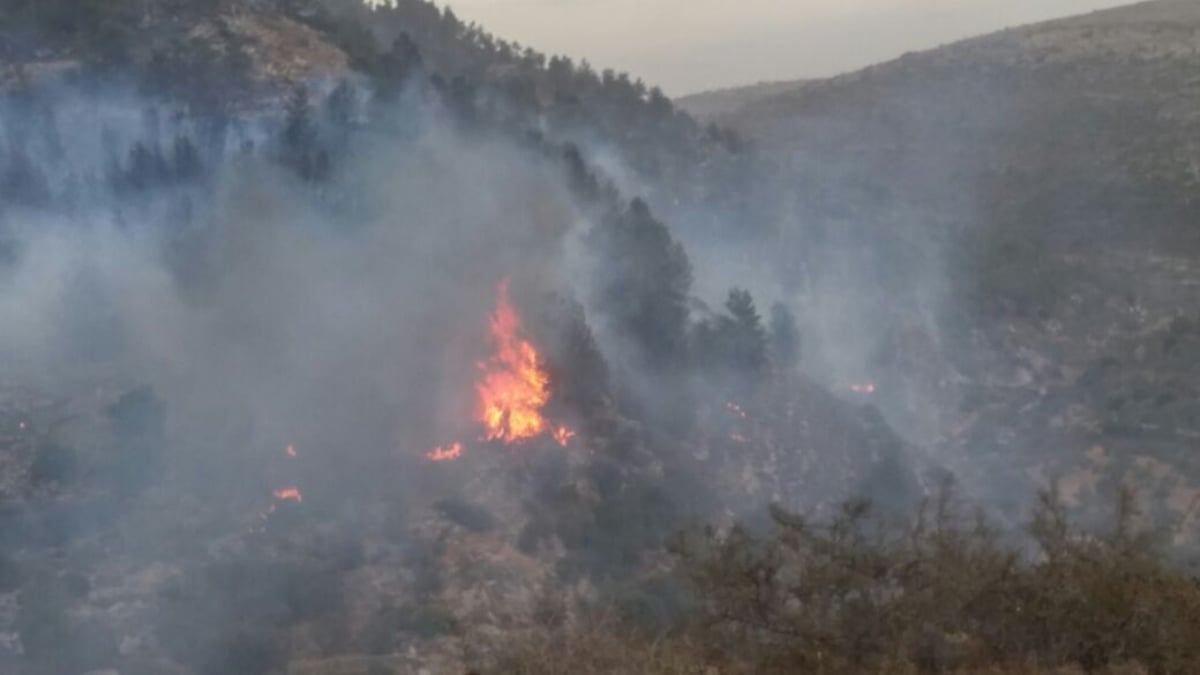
513 387
289 495
449 453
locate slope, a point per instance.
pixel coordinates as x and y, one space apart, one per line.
1035 189
250 254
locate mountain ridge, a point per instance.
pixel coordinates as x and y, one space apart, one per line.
1166 15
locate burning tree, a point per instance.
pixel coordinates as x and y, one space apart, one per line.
513 387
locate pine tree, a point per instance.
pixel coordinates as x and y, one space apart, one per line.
396 67
185 159
785 338
644 284
301 149
748 341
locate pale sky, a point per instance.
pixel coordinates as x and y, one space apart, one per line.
686 46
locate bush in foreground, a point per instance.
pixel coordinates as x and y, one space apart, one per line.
940 593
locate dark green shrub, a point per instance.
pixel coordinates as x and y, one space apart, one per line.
139 413
11 574
473 517
427 620
260 597
653 605
54 464
247 650
76 584
56 642
139 423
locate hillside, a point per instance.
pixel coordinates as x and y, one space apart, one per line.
351 340
720 104
1032 192
1121 75
344 339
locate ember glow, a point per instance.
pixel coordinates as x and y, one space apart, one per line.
291 451
446 454
863 388
563 436
289 495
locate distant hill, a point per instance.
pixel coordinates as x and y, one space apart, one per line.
1126 76
716 104
1044 179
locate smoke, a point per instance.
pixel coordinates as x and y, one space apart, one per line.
226 309
255 311
251 300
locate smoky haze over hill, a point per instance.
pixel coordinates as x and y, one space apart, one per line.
708 44
1050 171
252 254
342 339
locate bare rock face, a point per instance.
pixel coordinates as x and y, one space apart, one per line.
272 49
280 51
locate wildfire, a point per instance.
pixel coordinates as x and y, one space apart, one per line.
736 409
514 387
863 388
282 495
449 453
289 495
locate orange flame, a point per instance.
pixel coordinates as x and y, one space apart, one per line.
289 495
291 451
863 388
446 454
514 387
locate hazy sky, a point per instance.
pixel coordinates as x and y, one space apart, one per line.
690 45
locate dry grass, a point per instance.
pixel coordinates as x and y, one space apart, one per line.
601 648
